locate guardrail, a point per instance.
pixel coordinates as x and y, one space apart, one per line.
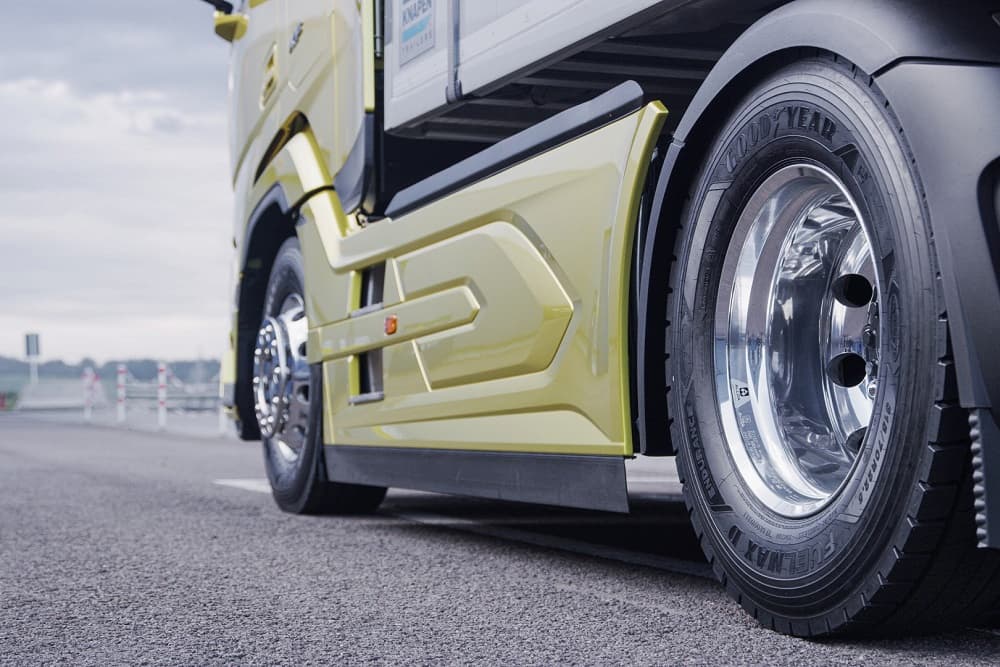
167 393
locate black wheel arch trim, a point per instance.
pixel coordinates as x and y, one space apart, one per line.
898 41
270 210
872 34
266 227
958 153
353 182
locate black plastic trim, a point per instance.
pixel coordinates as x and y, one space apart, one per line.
872 34
272 199
652 422
956 143
639 370
370 397
944 110
352 178
587 482
612 105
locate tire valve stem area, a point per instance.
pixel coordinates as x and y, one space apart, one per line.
870 339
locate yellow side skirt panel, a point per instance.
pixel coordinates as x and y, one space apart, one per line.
511 298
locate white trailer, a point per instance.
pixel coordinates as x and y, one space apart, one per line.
437 51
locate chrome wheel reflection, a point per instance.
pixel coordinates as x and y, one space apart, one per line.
796 340
281 378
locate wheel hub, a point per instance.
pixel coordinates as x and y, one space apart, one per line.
797 340
281 377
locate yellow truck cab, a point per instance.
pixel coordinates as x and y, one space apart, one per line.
496 249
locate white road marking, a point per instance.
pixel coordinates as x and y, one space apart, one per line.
250 484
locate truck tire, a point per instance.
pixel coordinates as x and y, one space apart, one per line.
288 400
812 391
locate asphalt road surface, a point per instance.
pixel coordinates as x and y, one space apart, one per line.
123 547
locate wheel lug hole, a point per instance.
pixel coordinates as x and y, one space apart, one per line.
847 369
853 290
855 440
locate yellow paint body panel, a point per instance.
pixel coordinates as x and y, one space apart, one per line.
421 318
511 298
230 27
510 295
498 262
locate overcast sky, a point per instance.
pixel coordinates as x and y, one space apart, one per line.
115 197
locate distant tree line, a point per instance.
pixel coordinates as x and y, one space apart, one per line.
201 370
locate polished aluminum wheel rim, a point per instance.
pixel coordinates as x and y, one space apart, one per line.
281 378
796 340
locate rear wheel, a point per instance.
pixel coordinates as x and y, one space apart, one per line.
288 401
825 458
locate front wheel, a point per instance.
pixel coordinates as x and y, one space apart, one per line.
825 457
288 401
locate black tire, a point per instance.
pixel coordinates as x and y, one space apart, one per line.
301 486
902 558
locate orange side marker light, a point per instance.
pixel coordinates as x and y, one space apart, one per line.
391 325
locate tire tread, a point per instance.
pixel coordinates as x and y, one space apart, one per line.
933 577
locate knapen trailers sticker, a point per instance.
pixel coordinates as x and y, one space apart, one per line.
416 28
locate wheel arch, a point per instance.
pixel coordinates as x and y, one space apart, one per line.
290 172
875 35
267 228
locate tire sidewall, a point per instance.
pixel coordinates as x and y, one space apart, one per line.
793 119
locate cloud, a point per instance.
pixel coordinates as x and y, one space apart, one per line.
115 221
110 45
